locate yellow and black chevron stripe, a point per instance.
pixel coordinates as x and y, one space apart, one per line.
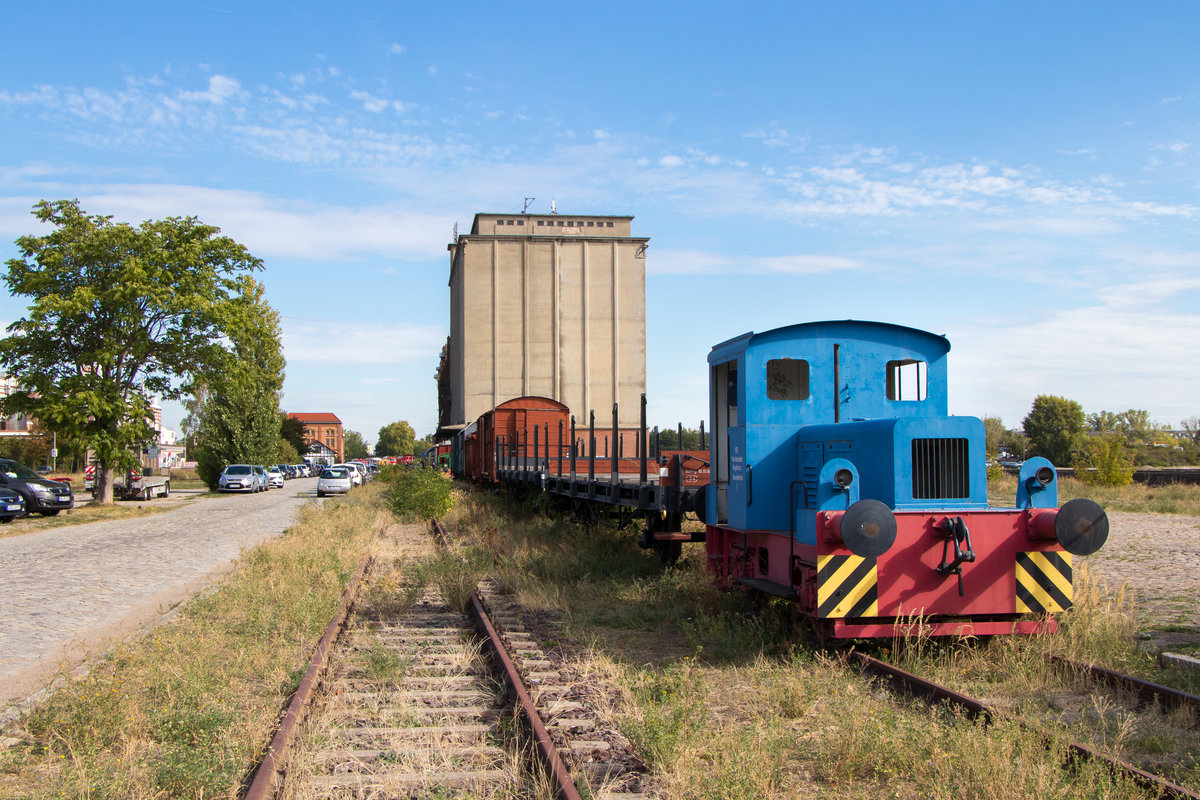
1043 581
847 586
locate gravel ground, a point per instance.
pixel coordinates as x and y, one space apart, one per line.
1157 556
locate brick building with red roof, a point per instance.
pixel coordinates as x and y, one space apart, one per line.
323 435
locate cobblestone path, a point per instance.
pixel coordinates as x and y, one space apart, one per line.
66 590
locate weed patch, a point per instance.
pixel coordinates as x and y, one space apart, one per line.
417 494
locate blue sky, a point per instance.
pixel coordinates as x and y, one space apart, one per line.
1020 178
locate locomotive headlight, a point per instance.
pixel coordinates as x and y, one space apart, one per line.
1043 477
843 478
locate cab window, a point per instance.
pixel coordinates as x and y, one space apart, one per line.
787 379
907 379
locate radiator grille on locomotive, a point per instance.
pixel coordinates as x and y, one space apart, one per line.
940 469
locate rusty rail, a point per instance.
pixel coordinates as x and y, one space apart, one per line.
1145 691
547 752
266 778
975 709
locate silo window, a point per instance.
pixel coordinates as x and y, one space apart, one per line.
787 379
906 380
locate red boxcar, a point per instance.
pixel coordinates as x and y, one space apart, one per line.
505 435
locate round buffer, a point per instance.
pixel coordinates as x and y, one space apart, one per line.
1081 526
868 528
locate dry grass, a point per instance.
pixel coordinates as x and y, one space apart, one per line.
726 700
187 710
1171 499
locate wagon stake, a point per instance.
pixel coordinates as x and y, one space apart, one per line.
956 532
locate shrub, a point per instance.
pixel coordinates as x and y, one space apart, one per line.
1106 455
418 493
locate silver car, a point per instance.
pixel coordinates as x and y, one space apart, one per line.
333 480
240 478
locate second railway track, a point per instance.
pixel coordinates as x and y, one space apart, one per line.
932 692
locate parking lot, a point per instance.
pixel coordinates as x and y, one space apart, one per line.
69 590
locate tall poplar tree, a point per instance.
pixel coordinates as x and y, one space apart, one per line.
238 420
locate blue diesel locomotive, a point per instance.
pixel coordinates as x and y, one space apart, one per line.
839 481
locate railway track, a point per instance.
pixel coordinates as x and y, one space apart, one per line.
935 693
415 698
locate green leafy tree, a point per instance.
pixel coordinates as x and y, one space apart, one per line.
33 450
993 430
395 439
285 453
353 445
1191 428
1015 443
668 439
1103 422
292 430
117 315
1055 428
238 422
421 445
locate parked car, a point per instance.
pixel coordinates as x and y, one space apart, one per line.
355 477
334 480
12 505
43 496
361 469
275 478
241 478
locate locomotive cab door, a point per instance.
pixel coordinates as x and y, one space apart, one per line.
724 401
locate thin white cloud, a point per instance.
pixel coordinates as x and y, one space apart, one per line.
270 228
342 342
1177 146
772 135
670 161
370 102
696 262
220 89
397 49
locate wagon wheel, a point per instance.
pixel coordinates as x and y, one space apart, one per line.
146 494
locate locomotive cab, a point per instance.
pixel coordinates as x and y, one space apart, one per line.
766 388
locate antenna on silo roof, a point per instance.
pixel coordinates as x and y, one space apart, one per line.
528 201
553 209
